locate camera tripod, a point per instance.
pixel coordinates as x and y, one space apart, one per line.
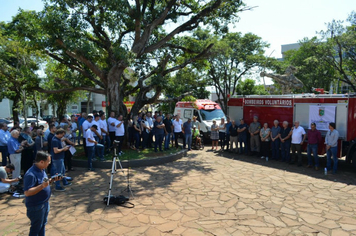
113 171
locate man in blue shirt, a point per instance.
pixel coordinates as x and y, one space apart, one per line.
38 192
187 131
15 149
242 130
81 119
4 138
57 152
331 140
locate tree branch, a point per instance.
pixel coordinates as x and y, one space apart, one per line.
67 90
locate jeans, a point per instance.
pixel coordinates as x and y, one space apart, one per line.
222 139
58 167
313 148
107 141
275 148
144 139
243 140
332 151
188 140
85 146
137 139
158 141
265 147
4 154
167 140
297 148
91 155
119 145
38 217
285 151
227 141
176 136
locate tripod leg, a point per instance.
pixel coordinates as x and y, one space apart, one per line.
113 170
128 184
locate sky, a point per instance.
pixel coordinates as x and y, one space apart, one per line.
277 22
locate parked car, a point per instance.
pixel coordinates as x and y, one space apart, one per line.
29 120
2 120
48 118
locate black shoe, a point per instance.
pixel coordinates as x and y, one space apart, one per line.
299 164
291 163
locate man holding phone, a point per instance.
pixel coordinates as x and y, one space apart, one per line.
58 152
38 192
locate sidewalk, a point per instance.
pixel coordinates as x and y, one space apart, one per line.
205 193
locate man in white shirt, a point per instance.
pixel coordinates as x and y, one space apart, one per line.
92 146
177 129
97 134
111 125
150 124
119 133
104 131
298 137
85 126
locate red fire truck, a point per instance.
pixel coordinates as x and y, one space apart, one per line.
305 108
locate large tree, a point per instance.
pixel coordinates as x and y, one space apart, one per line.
234 56
102 39
18 66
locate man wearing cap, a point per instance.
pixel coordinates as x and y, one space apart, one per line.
93 145
331 140
298 137
187 131
314 138
254 130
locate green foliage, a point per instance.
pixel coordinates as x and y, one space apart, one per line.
18 66
249 87
313 71
189 99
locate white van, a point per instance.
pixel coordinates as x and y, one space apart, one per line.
205 110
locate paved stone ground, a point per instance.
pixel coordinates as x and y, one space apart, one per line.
205 193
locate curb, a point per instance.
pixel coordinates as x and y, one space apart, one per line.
133 163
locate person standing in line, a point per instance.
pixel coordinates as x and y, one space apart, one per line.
233 136
254 129
145 131
314 138
58 153
81 119
15 149
150 124
104 132
38 192
331 140
4 138
111 127
187 131
41 144
196 123
178 127
74 128
167 130
53 130
227 133
119 133
222 134
137 132
265 134
275 132
298 137
284 136
159 132
214 136
93 146
85 126
242 130
28 153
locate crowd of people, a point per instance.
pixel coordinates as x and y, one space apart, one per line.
279 143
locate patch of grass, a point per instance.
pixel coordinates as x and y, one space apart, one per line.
129 154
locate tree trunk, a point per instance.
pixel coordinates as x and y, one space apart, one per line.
88 102
15 107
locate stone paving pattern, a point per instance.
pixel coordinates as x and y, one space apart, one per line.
205 193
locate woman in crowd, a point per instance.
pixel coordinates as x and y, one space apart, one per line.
68 140
137 132
265 140
214 136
